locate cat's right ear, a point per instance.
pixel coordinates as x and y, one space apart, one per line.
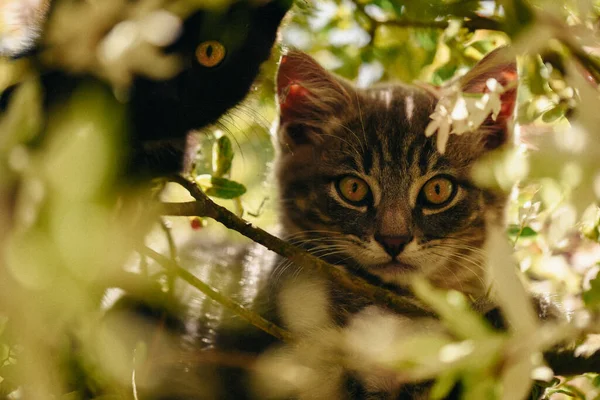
308 96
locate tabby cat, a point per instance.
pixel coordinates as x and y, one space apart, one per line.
362 187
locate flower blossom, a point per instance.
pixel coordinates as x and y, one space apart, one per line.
458 113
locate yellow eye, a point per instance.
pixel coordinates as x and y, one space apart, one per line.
210 53
437 192
353 189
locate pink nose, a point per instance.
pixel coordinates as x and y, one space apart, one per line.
393 245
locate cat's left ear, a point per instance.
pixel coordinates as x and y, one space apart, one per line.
307 95
501 66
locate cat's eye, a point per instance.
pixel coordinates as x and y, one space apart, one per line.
438 192
210 53
353 190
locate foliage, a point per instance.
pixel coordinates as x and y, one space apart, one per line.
70 235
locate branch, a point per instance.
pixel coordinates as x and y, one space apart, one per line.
213 294
205 207
472 22
566 363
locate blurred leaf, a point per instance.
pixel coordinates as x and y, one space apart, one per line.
555 113
222 156
225 189
454 310
517 230
442 386
590 223
591 297
22 120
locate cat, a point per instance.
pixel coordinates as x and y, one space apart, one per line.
221 50
361 186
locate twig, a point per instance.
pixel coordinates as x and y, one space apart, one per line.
213 294
205 207
566 363
172 251
472 22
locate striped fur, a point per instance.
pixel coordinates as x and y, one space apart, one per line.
330 129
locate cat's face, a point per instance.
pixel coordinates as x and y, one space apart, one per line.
222 52
362 186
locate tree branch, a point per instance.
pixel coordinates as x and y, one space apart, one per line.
205 207
472 22
213 294
566 363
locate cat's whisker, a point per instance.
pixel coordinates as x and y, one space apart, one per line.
362 122
324 233
468 260
257 119
352 146
466 257
325 241
459 246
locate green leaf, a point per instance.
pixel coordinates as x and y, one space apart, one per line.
517 230
225 189
591 297
443 385
555 113
528 232
222 156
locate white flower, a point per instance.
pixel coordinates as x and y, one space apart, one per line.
468 112
442 124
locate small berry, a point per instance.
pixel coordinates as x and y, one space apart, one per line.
196 223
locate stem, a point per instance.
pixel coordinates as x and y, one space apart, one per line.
213 294
566 363
205 207
173 253
472 22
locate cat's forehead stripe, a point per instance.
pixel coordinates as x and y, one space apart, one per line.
409 107
387 97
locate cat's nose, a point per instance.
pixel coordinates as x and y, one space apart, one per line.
393 245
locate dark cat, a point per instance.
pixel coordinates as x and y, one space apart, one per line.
221 52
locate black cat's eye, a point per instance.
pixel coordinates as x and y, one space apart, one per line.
210 53
353 190
438 192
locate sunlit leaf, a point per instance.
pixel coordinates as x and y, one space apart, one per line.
222 156
555 113
225 189
591 297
